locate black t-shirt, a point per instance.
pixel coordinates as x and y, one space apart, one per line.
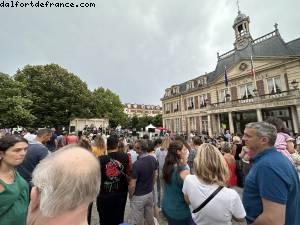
114 172
143 171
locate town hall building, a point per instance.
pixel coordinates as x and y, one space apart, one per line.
263 77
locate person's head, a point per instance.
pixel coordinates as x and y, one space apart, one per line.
130 146
210 165
236 139
141 146
146 137
43 135
99 141
64 183
12 150
151 146
225 147
121 146
259 136
278 123
176 152
196 141
157 142
112 142
165 143
85 143
181 139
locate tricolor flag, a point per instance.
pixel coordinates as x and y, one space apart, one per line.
252 68
225 77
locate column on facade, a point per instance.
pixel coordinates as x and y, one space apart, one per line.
296 118
164 122
259 115
214 123
209 127
231 127
219 123
187 125
200 123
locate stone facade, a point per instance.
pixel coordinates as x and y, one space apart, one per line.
142 110
263 76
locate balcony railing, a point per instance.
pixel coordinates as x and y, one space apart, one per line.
256 99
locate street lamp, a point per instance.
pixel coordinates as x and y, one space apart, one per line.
295 84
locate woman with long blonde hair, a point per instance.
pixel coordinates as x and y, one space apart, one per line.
211 173
99 146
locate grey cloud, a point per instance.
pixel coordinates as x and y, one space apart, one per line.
137 48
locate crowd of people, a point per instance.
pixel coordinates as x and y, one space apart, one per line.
51 178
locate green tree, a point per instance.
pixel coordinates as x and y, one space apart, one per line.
157 120
107 104
14 109
57 95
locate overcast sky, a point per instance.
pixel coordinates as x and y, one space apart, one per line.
136 48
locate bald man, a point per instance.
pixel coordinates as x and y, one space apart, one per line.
65 183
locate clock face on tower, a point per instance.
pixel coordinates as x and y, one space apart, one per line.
241 44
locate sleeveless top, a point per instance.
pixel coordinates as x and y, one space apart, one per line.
173 203
14 201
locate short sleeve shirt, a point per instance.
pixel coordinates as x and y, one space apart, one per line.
273 178
220 209
143 171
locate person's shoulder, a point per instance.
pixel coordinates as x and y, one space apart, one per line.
190 178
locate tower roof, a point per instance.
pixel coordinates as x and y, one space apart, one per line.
240 17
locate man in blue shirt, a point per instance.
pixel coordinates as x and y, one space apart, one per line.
272 190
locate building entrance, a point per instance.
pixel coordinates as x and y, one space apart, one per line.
282 113
240 119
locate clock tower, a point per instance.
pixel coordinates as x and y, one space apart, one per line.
242 34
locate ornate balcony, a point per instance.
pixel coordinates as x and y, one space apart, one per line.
284 95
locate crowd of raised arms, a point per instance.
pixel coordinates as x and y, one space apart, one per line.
54 178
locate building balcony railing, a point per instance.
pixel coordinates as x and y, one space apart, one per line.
256 99
167 111
175 110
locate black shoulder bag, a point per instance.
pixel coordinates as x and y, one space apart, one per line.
208 199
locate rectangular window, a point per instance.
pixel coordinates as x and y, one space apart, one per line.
222 95
177 125
190 103
203 99
274 85
246 91
204 123
192 124
176 106
167 107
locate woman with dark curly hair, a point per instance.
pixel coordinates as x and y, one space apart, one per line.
14 196
175 170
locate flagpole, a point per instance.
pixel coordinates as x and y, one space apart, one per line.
253 72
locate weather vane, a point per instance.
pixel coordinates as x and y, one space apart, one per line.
238 5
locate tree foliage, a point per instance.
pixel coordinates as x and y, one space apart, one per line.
143 121
107 104
57 95
15 109
49 95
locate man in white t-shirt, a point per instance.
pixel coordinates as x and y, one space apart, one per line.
298 142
